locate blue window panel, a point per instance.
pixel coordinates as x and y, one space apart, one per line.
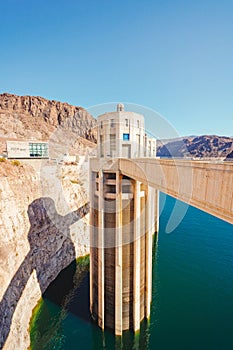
126 137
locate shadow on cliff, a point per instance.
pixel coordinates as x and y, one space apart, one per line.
51 250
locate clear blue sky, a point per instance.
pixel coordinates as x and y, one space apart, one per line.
174 56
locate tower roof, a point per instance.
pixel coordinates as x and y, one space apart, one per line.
120 107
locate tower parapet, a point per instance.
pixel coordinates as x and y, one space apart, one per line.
121 134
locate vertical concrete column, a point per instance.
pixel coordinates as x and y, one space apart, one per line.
92 179
152 226
156 210
136 267
153 201
118 252
150 212
101 253
143 257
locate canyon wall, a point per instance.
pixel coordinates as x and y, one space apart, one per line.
43 228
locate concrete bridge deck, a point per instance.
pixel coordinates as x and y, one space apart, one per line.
207 185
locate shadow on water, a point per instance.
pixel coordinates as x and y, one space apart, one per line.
67 297
51 250
70 290
129 340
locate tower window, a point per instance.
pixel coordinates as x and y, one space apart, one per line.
127 122
138 124
101 146
101 125
126 137
112 144
112 123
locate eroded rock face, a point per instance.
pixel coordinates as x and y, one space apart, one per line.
44 217
30 117
53 113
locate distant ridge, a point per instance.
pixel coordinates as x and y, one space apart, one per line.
205 146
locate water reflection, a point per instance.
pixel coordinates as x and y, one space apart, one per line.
129 340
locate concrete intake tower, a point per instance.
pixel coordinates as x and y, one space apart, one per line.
123 219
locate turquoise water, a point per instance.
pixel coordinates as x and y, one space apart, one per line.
192 305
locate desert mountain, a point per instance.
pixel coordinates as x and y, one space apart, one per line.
205 146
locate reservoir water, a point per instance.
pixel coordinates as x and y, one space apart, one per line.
192 306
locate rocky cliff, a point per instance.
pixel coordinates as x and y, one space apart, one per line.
30 117
43 206
205 146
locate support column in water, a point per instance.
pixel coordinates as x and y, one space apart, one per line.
123 221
